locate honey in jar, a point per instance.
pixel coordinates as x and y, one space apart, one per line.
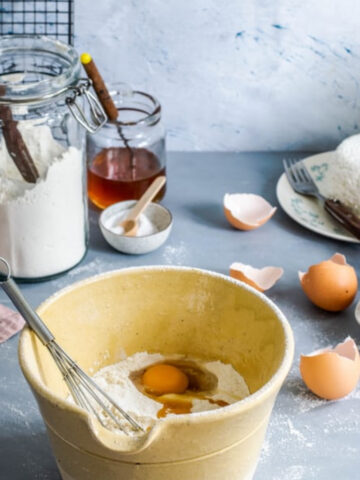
118 174
125 157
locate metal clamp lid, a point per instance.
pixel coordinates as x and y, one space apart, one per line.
97 114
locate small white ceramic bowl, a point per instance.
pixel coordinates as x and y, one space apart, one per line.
157 214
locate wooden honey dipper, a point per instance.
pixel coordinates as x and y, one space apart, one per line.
99 86
106 101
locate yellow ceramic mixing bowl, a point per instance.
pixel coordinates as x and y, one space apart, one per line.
168 310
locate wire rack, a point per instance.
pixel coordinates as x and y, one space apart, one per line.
53 18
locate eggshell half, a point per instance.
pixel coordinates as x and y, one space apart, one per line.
332 373
260 278
357 313
331 285
247 211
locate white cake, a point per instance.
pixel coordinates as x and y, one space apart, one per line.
344 174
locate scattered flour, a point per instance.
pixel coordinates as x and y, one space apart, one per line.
308 437
92 268
295 472
301 424
175 255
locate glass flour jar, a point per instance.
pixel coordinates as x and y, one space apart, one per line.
43 203
125 157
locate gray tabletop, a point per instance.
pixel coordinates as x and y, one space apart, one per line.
308 438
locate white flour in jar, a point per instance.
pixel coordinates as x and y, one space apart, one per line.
42 225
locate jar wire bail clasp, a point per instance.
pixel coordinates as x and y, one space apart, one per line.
97 117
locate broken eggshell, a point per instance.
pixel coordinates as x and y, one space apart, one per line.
330 285
247 211
357 313
260 278
332 373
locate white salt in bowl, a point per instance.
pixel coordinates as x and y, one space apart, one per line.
157 214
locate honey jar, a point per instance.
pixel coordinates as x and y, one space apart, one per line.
124 158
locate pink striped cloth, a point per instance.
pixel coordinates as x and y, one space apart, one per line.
11 322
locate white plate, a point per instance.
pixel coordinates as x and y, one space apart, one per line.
307 211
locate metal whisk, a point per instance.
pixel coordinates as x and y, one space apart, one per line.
85 392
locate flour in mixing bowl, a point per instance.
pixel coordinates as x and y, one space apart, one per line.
123 382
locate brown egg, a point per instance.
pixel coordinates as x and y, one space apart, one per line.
332 373
331 285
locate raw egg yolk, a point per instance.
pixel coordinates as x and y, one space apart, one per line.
162 379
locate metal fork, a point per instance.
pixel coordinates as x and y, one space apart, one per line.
301 181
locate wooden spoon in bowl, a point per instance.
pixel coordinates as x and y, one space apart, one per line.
130 224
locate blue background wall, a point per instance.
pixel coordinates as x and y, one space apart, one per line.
235 74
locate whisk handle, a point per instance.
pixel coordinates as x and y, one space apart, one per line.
17 298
